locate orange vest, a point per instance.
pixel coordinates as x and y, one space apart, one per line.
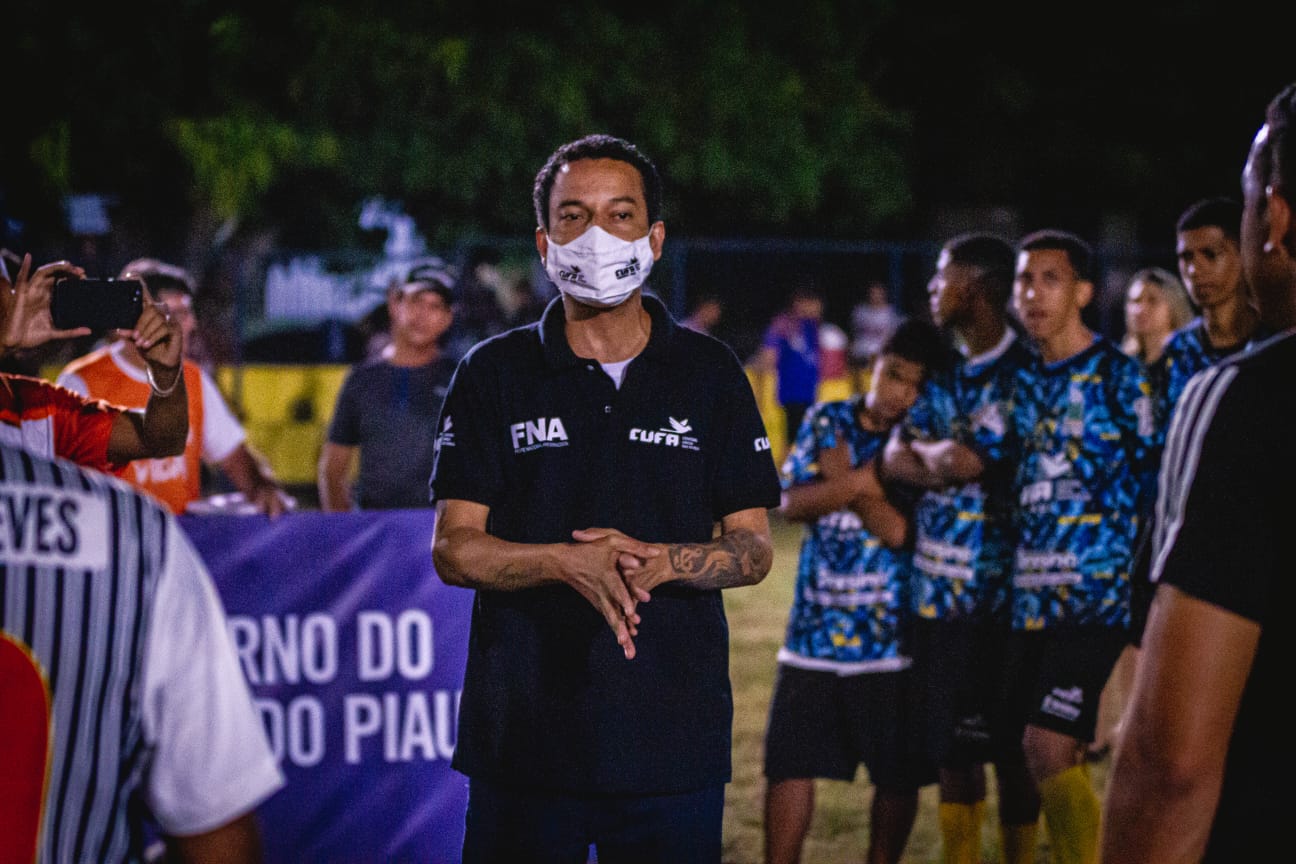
174 480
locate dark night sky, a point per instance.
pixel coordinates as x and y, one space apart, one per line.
1073 112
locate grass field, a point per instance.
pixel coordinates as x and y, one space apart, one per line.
839 832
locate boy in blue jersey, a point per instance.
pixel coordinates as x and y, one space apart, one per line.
1210 264
1087 443
956 445
842 695
1204 772
1207 246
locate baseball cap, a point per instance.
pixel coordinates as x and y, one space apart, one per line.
430 277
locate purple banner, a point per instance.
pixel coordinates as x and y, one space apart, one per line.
354 650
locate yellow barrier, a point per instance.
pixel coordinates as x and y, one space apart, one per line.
285 410
765 386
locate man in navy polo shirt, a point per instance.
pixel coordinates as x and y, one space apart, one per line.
583 465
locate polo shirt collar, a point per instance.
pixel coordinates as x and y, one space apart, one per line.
558 353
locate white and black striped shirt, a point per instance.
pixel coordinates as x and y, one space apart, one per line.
107 611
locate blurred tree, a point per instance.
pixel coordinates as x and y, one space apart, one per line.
285 116
211 122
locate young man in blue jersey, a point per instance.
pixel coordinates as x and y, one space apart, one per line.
842 694
1210 264
956 445
1087 443
1207 244
1203 772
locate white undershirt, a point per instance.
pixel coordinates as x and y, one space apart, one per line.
616 371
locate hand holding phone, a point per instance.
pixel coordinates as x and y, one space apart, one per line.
102 305
25 306
158 336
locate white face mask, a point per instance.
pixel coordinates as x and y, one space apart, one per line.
598 269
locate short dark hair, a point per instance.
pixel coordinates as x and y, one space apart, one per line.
804 287
160 276
1217 211
597 147
992 256
1078 252
918 341
1277 158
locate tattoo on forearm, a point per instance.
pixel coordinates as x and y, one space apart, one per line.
517 575
737 558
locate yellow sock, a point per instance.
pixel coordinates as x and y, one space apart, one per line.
1017 843
961 831
1071 811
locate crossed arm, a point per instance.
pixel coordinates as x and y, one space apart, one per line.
843 487
930 464
612 571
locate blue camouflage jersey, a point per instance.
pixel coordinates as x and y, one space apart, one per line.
964 543
1088 446
850 588
1187 352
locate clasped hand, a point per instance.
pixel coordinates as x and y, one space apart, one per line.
616 573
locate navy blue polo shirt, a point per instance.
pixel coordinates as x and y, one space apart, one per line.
549 444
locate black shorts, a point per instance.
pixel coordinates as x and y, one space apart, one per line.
1055 676
824 725
958 667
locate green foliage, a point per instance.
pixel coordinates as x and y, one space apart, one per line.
51 156
277 111
236 158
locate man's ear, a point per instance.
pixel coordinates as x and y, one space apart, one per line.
1282 233
542 243
656 238
1084 293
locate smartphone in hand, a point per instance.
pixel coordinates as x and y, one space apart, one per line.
100 304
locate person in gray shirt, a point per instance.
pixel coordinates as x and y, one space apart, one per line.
387 409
